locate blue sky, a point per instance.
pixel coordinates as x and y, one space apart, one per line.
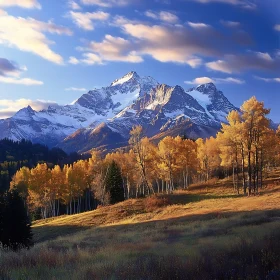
54 51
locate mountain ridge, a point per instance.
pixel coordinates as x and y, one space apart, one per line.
104 117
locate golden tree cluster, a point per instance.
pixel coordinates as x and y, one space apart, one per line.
243 148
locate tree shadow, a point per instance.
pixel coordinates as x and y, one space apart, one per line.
243 218
48 232
189 197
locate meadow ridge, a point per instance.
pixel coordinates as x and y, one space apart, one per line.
207 231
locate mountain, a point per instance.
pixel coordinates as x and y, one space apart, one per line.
104 117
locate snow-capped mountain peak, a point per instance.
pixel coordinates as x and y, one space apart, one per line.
207 88
25 113
129 76
114 110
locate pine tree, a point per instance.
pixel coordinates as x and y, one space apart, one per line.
16 228
114 183
2 209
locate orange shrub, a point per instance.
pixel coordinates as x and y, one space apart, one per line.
154 202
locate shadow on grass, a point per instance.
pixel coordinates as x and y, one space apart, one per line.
48 232
228 219
188 197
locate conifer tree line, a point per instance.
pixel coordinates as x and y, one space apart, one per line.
15 226
14 155
245 146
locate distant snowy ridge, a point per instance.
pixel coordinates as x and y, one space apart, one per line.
111 112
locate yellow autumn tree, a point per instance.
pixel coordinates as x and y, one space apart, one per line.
256 123
141 147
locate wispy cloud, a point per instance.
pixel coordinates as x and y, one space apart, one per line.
163 16
9 107
27 4
246 4
268 80
220 65
205 80
277 27
28 34
199 81
111 49
250 61
8 67
10 74
74 5
85 20
20 81
231 24
198 25
73 60
183 44
107 3
75 89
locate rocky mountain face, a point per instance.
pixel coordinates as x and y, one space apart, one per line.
104 117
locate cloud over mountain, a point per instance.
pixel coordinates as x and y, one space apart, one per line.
28 34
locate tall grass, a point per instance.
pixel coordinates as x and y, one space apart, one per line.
234 246
199 236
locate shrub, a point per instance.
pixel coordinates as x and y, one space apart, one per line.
155 202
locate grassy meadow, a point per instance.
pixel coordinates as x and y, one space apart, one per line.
206 232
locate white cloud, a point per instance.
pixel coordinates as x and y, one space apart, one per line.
73 60
27 4
168 17
229 80
20 81
111 49
9 68
74 5
194 62
85 20
163 16
264 56
268 80
277 27
220 65
246 4
205 80
106 3
180 44
27 34
199 81
230 23
198 25
151 14
91 59
75 89
250 61
10 74
9 107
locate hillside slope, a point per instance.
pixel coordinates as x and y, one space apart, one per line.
201 200
207 232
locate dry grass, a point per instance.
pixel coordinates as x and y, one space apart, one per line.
207 231
218 198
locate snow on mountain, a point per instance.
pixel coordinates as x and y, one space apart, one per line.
215 104
165 110
125 79
105 116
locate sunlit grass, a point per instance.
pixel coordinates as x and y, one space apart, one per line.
199 229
